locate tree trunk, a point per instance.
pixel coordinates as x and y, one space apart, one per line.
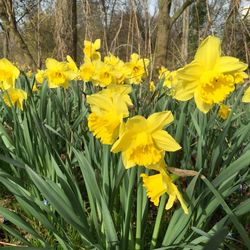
165 23
16 50
65 29
185 33
162 37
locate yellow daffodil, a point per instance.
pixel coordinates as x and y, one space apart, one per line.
122 90
159 184
143 141
40 75
29 73
103 74
72 65
152 86
107 115
90 50
14 97
239 77
87 70
169 77
8 74
224 111
210 77
246 96
119 70
137 68
58 73
34 88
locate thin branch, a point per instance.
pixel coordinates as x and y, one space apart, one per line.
178 13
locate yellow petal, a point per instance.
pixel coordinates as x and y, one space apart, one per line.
190 73
201 105
228 64
165 141
208 52
97 44
159 120
126 162
170 202
185 91
246 96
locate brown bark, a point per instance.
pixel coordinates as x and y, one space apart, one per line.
65 29
165 23
185 32
14 40
229 40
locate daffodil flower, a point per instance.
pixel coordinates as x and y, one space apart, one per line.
8 74
224 111
143 141
108 111
58 73
210 77
161 183
90 50
14 97
137 67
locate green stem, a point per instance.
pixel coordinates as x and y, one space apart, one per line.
128 209
158 222
138 212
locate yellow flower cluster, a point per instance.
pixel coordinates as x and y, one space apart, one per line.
10 94
141 141
111 70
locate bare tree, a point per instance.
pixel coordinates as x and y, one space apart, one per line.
165 23
66 28
13 37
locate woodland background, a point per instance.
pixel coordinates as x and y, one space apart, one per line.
168 32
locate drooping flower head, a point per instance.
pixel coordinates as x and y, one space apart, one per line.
143 141
8 74
108 111
14 97
137 67
210 77
159 184
90 50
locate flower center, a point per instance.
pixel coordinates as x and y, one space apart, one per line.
144 152
215 87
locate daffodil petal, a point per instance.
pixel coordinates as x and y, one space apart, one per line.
208 52
185 91
228 64
126 162
165 141
201 105
191 72
159 120
170 202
